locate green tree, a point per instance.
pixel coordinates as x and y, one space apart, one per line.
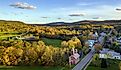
120 65
96 61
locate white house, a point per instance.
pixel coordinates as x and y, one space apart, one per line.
103 53
106 53
91 43
93 35
114 55
96 34
103 34
118 40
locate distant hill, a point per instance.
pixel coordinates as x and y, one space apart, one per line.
99 22
8 21
111 22
55 24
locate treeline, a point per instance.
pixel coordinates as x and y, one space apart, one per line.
51 32
7 26
17 52
73 43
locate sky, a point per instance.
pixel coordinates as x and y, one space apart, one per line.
46 11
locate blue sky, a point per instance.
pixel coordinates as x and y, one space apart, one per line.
59 10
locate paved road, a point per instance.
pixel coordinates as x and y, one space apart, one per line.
84 61
82 64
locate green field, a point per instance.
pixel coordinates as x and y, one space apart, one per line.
53 42
6 36
32 68
114 65
3 35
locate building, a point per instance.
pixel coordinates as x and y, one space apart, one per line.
115 55
91 43
118 40
101 38
74 58
103 34
93 35
106 53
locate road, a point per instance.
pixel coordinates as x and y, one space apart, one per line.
84 61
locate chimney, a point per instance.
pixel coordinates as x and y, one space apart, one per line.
76 51
73 51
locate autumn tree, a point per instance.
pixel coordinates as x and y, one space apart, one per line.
73 43
46 58
98 47
64 44
12 56
29 56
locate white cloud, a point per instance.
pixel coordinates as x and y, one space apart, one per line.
21 5
97 12
45 17
104 11
77 14
97 17
59 18
118 9
100 12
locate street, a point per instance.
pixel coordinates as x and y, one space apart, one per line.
84 61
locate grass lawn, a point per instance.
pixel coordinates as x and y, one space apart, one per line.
53 42
32 68
2 38
5 36
9 32
114 65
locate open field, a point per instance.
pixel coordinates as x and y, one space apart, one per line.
2 37
30 68
5 35
53 42
33 68
114 65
